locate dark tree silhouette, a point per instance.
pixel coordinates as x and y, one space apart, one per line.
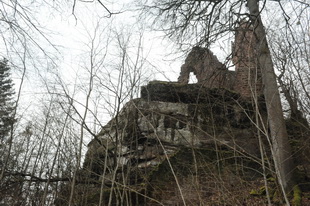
7 105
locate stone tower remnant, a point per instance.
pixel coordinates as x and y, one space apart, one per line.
248 74
210 72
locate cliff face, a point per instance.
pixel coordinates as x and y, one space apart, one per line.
171 146
171 115
183 145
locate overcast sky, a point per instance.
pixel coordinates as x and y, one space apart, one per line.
59 46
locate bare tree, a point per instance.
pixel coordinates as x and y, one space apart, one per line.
290 50
45 136
209 21
280 145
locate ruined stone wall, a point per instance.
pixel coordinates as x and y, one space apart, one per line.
211 73
248 74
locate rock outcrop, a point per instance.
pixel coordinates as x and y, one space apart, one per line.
179 144
146 140
171 115
187 144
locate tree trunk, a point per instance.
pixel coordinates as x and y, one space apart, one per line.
280 144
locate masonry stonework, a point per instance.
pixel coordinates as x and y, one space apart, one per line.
204 64
211 73
248 74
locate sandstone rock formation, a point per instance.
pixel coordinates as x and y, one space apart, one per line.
184 144
177 133
139 145
169 116
177 144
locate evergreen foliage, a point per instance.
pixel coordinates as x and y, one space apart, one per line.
7 104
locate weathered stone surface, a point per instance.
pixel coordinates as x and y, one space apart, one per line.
207 68
210 72
248 74
183 143
185 93
180 133
170 116
177 141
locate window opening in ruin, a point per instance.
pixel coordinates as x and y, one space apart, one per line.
192 78
231 67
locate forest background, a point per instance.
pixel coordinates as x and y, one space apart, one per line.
75 63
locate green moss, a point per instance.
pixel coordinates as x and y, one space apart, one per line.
277 197
296 196
271 179
262 191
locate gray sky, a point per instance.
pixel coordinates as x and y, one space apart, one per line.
58 50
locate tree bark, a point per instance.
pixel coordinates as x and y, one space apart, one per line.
280 144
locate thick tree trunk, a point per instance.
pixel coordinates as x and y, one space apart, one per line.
280 144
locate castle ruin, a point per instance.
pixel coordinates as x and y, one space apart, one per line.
210 72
